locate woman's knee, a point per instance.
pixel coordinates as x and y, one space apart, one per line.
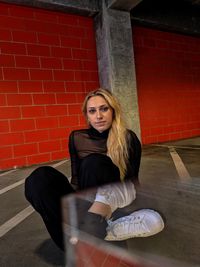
97 169
37 180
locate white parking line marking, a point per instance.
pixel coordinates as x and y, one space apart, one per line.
14 221
5 173
59 163
7 188
180 167
10 224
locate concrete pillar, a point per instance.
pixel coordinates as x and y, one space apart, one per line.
116 61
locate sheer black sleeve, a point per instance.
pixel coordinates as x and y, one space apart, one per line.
75 161
134 148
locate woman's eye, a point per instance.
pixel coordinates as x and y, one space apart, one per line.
104 109
91 111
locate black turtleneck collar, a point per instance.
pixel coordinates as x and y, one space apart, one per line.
94 133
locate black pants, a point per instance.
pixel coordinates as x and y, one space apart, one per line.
45 187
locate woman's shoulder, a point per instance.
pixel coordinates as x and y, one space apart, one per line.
78 132
132 137
131 133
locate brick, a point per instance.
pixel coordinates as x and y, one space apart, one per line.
22 125
12 163
45 27
90 65
12 23
40 99
75 31
82 122
51 63
66 98
94 76
70 42
49 146
33 26
21 12
156 130
35 159
60 155
54 86
84 76
36 136
64 142
27 61
57 110
12 48
68 121
80 97
63 75
19 99
8 87
89 86
88 43
4 126
71 64
11 138
61 52
3 100
24 36
49 39
85 22
60 133
79 54
5 35
4 9
6 152
36 74
45 15
68 19
33 111
75 109
30 86
15 74
47 123
7 61
10 112
25 149
75 86
38 50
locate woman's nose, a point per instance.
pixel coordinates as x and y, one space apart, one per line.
99 114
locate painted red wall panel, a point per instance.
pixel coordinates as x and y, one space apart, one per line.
168 84
48 64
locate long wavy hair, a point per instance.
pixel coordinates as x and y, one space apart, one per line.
117 148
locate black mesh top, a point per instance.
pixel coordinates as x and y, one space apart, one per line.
86 141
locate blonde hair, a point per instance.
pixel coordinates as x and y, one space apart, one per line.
117 148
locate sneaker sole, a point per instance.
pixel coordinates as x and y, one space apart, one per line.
110 237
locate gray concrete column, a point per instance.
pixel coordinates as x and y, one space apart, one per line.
116 61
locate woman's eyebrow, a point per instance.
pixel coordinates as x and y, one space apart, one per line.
101 106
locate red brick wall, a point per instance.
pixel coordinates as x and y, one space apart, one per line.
168 83
47 64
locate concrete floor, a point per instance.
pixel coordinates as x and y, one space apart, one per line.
170 183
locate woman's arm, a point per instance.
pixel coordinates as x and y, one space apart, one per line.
75 162
134 150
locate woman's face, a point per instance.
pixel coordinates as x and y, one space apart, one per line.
99 113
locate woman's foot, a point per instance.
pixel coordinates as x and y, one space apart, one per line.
141 223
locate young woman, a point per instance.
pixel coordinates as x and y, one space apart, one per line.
105 156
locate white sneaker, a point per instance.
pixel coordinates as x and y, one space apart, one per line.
141 223
116 195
